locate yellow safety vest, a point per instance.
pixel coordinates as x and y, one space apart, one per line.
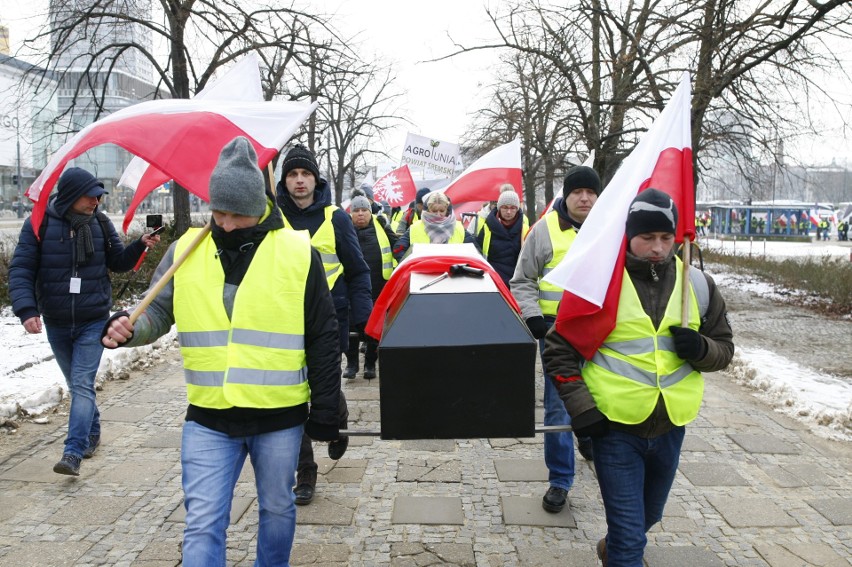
418 235
550 295
323 240
388 262
486 239
257 358
397 216
637 362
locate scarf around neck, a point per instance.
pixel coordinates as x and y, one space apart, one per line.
438 227
82 236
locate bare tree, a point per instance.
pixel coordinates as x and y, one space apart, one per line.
527 101
620 60
93 40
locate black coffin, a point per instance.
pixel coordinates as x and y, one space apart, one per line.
456 362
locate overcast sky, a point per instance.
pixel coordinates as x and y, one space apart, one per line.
438 97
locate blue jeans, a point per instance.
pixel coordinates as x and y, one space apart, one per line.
635 476
558 447
78 351
211 463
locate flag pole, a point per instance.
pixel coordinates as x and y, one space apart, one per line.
149 297
686 251
271 177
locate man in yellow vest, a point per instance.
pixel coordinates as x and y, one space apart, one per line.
644 384
258 336
545 246
305 200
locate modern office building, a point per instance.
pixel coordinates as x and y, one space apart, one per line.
98 76
27 110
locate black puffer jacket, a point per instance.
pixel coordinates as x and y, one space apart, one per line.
40 273
352 290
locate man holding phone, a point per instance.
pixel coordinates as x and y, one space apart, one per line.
60 271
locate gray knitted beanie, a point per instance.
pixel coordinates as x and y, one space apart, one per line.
236 184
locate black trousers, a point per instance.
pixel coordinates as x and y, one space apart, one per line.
307 466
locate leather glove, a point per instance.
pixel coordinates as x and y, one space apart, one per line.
537 326
689 345
109 321
591 423
321 431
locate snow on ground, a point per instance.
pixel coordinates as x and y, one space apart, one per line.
31 383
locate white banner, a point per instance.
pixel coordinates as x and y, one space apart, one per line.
430 158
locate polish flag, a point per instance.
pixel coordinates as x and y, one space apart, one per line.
396 187
590 162
182 138
591 272
481 181
814 217
241 82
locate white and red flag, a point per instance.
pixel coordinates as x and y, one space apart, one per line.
241 82
482 180
396 187
182 138
592 271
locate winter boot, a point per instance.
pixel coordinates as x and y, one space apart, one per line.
306 483
351 364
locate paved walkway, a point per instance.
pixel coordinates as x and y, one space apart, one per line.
755 489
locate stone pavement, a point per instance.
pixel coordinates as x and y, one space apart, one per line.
755 488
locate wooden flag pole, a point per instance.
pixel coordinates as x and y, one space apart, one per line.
687 250
271 177
149 297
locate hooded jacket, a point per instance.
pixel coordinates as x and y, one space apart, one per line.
40 273
352 291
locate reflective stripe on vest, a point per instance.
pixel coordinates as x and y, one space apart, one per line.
486 239
637 362
257 358
418 234
323 240
388 263
550 295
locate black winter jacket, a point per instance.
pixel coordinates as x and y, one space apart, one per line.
370 247
352 291
505 246
40 273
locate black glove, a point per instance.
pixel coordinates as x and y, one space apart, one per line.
688 343
321 431
109 321
537 326
591 423
359 328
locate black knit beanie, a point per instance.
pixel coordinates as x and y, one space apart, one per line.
420 194
300 157
581 177
651 211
